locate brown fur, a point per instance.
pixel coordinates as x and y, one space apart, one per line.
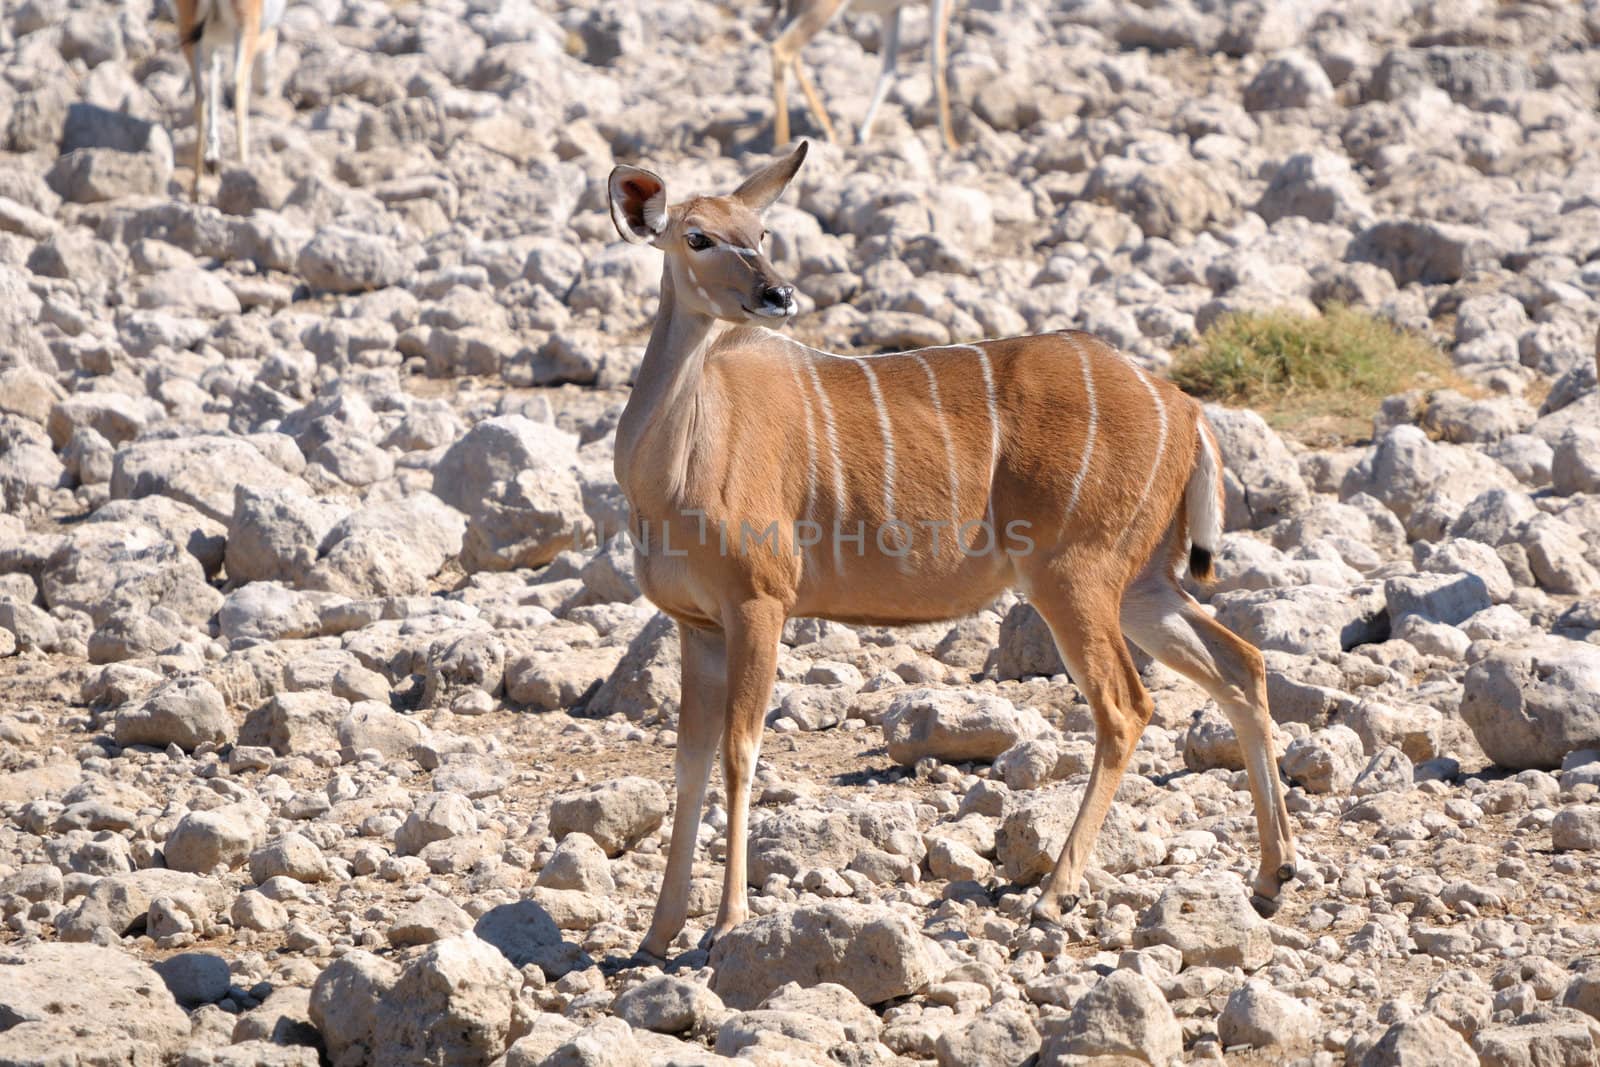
725 429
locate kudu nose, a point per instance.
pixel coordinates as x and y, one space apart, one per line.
778 296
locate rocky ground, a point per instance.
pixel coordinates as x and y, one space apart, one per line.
333 727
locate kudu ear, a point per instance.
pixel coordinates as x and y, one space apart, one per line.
638 203
762 189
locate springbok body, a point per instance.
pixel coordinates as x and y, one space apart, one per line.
769 480
804 19
206 28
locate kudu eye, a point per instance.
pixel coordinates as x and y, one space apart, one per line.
698 241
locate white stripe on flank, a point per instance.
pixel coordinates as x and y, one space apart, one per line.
1094 420
811 446
994 424
1161 434
833 453
949 445
888 434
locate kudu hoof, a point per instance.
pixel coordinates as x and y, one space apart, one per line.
1051 909
710 938
1266 907
645 956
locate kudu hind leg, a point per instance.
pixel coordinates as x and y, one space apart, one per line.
780 98
810 17
700 712
1167 623
939 56
245 43
263 72
197 68
212 157
819 110
891 52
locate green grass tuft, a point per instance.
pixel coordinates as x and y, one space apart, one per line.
1319 379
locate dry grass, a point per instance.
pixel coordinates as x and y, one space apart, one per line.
1319 380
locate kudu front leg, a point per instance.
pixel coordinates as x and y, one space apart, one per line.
701 705
1099 661
753 629
197 68
187 15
